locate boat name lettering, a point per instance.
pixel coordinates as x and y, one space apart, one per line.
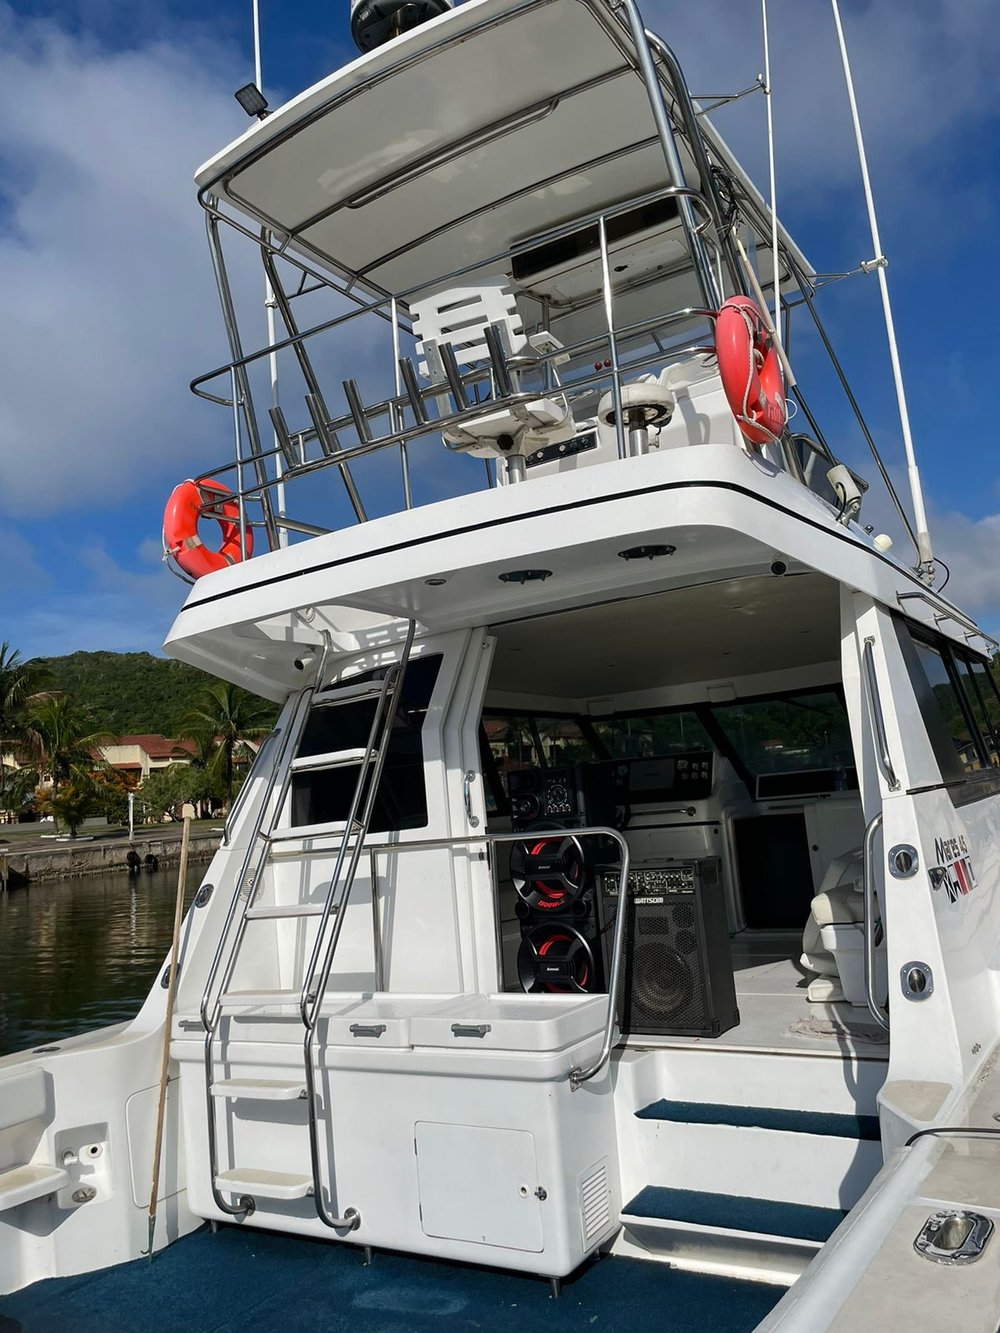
954 864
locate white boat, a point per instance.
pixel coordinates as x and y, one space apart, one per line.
562 614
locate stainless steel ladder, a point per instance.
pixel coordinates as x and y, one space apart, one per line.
247 1183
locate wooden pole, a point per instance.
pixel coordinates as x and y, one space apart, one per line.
167 1024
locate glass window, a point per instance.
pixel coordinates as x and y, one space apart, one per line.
324 796
524 741
652 734
984 689
950 704
791 734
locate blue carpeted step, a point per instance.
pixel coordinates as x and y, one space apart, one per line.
764 1117
733 1212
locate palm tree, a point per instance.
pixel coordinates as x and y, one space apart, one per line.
227 719
19 680
63 741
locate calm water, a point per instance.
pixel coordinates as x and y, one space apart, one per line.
77 954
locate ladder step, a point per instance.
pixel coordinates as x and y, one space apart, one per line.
20 1184
333 759
265 1184
255 999
338 695
293 910
259 1089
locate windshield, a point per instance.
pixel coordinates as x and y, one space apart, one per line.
789 734
652 734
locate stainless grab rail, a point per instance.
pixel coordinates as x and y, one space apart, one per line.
576 1076
870 904
878 718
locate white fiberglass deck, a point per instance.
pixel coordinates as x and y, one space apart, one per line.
775 1013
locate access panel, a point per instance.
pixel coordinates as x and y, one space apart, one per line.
478 1184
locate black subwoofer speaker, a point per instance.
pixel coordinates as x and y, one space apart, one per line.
559 909
677 968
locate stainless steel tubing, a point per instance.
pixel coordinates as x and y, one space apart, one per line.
241 390
675 170
870 906
878 718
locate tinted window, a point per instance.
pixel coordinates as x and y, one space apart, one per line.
324 796
526 741
951 704
791 734
652 734
982 686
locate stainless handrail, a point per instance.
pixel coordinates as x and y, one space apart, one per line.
380 304
875 700
279 779
403 435
705 273
576 1076
943 610
281 764
870 903
346 863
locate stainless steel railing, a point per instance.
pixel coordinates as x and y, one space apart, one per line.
871 921
878 718
577 1076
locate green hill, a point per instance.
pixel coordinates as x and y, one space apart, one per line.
129 692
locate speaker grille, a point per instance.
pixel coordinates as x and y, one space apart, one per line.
663 989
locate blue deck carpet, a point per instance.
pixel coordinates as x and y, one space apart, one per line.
798 1221
240 1279
765 1117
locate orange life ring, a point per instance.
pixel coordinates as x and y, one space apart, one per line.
180 528
750 370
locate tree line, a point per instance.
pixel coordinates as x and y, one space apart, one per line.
56 741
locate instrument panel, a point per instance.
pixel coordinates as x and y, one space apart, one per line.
671 777
602 792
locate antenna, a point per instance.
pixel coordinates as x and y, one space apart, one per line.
879 263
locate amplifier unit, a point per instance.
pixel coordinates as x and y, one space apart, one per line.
677 967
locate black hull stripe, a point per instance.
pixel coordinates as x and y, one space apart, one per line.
559 509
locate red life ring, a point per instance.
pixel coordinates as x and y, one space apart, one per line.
750 370
180 528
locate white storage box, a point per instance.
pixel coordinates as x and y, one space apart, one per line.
511 1022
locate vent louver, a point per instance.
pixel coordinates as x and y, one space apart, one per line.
595 1202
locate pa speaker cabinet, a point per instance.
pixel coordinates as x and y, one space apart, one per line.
677 966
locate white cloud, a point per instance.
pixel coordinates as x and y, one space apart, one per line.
971 549
109 607
22 568
921 72
103 262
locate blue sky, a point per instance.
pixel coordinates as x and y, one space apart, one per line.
108 107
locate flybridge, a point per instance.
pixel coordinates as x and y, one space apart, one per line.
586 238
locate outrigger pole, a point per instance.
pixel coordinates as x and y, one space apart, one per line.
925 555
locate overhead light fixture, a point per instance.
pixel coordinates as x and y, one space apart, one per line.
525 575
646 552
435 583
252 100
